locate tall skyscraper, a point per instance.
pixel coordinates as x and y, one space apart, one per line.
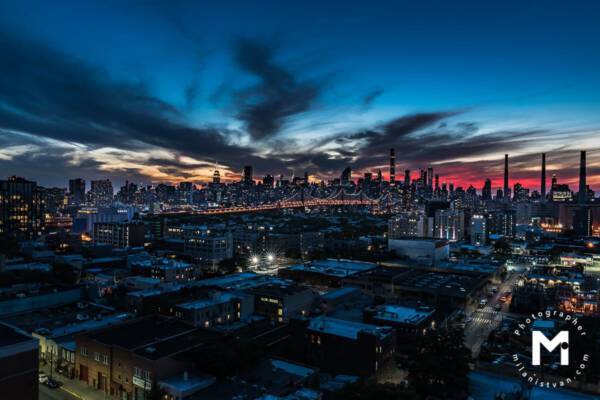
392 167
430 177
506 193
21 208
582 195
437 182
77 190
247 174
407 177
486 192
216 177
346 176
101 193
543 185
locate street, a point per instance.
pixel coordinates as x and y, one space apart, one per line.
486 319
55 394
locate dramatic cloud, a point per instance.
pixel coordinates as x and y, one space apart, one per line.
266 106
61 117
48 94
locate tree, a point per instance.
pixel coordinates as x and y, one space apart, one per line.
441 369
230 265
502 247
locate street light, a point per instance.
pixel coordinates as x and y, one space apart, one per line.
270 257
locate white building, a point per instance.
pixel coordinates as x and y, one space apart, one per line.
449 224
428 251
208 247
409 224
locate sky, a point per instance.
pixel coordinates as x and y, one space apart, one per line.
167 91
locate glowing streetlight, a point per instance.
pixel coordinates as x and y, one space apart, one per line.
254 260
270 257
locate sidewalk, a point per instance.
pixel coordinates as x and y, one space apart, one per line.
75 387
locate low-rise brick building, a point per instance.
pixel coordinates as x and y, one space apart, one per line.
128 360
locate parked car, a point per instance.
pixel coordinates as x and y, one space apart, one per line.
42 378
52 383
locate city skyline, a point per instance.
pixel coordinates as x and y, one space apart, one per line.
159 93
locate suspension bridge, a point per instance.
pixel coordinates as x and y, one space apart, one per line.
302 198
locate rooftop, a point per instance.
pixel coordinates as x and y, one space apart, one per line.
234 281
444 282
220 298
187 383
10 335
148 330
340 268
177 343
279 288
405 315
347 329
337 293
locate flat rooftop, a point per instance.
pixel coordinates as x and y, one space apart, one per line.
222 298
333 295
279 289
10 335
67 319
442 282
233 281
339 268
147 330
347 329
180 342
402 314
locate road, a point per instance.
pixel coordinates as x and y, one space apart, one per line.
486 319
55 394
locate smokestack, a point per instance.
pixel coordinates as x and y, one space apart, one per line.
392 167
505 194
582 183
543 186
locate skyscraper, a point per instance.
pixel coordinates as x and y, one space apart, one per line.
486 192
392 167
216 177
247 174
543 185
101 193
21 208
407 177
77 190
430 177
506 190
346 176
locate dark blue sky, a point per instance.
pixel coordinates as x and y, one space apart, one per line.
156 91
